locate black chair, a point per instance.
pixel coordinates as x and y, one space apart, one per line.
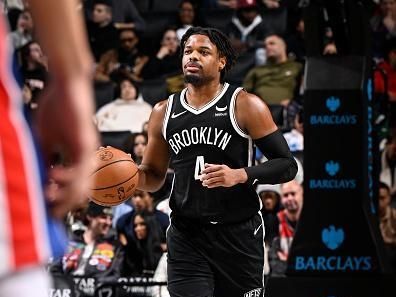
153 90
115 139
217 18
243 64
156 23
142 5
278 114
168 5
104 93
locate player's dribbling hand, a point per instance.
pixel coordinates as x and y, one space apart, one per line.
215 175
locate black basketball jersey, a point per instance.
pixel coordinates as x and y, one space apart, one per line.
208 135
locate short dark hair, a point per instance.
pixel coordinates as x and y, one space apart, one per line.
123 78
108 3
220 40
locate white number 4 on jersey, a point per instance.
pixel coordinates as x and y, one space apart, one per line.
199 166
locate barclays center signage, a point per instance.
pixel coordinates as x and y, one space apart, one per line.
333 239
334 116
333 182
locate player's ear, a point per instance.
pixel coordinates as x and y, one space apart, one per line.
222 63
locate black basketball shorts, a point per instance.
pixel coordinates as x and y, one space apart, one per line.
206 260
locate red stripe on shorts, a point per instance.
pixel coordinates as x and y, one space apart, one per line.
23 250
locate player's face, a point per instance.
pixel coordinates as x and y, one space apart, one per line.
140 227
201 60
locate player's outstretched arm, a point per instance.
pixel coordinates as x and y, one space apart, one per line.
155 161
64 120
254 117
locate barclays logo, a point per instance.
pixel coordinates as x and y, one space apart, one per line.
333 263
332 237
333 103
332 168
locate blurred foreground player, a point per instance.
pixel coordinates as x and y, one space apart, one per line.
215 241
64 125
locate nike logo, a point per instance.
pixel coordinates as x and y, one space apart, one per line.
175 115
257 229
221 108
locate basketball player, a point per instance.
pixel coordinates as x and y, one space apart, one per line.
206 132
64 123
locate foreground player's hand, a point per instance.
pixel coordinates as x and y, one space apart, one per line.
65 127
215 175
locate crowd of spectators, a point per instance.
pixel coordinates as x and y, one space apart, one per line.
136 46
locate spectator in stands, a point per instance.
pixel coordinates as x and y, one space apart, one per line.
24 30
144 249
246 29
270 197
96 252
276 81
383 25
186 18
166 61
124 13
102 33
14 8
128 112
34 69
136 146
142 202
388 162
295 137
292 200
124 61
388 66
387 217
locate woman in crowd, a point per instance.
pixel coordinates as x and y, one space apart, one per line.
143 253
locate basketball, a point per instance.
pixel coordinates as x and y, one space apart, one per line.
114 178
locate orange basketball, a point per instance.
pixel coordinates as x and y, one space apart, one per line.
115 177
